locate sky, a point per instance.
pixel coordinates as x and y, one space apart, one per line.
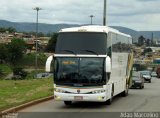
135 14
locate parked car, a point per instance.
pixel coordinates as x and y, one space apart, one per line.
137 80
154 74
158 72
43 75
146 75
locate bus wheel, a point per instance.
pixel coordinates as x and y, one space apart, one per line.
125 92
67 102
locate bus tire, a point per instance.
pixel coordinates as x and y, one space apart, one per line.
125 92
67 102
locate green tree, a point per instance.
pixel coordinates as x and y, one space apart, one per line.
147 50
40 34
2 30
52 43
16 49
11 29
148 42
19 73
29 47
141 41
3 53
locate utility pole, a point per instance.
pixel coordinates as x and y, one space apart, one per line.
105 13
91 16
152 39
36 59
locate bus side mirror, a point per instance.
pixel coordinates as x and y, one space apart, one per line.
108 64
48 64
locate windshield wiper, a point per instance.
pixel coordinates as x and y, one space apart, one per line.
69 51
91 51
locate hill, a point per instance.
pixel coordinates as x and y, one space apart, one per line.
148 34
47 28
30 27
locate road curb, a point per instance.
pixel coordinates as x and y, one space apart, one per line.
17 108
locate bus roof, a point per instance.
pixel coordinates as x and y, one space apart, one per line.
93 28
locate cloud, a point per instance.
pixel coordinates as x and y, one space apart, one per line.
147 0
131 13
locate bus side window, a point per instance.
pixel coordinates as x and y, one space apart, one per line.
109 47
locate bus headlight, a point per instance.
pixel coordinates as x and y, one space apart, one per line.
59 90
98 91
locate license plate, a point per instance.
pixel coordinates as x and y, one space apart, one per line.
138 81
78 98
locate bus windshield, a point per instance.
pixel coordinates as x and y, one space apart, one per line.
79 71
81 43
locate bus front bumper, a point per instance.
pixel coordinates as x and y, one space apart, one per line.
98 97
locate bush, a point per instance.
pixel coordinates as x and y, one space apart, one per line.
19 73
139 67
1 72
16 77
28 60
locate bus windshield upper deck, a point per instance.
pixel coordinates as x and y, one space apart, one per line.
81 43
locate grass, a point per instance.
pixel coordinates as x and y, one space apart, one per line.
13 93
6 69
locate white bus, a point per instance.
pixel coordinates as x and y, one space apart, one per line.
91 63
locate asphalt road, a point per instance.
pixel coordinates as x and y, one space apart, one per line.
138 100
